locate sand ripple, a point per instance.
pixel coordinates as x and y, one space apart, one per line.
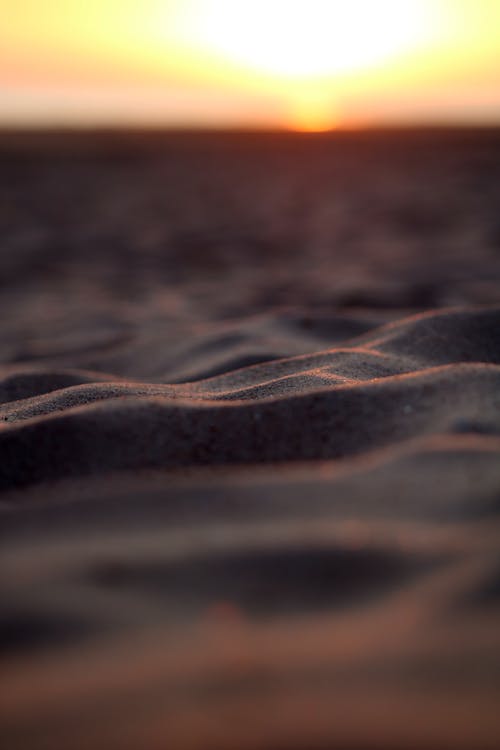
253 550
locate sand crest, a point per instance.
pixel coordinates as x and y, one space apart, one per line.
251 505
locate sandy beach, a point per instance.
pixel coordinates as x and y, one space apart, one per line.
250 440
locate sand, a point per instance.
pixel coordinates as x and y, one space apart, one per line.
250 441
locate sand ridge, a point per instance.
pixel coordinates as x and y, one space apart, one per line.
235 524
250 441
337 403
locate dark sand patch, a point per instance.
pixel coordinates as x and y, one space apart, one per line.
250 442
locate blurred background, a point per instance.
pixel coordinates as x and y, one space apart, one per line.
185 161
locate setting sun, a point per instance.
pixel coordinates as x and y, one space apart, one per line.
297 48
305 39
304 64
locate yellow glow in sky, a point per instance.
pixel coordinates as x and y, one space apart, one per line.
306 39
310 64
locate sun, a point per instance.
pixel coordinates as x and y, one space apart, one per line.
304 39
305 56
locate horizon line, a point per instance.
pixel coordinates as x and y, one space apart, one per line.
131 127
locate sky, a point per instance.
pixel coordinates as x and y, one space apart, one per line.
306 65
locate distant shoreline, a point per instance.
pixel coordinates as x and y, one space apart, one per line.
117 139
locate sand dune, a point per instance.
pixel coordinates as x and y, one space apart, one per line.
261 557
250 443
429 374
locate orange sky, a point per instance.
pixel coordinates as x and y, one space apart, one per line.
311 65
